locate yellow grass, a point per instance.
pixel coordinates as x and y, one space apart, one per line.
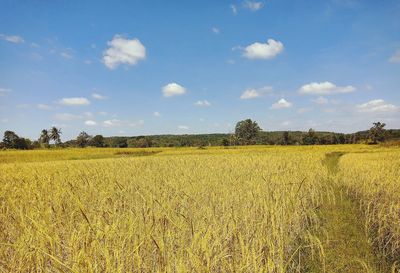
247 209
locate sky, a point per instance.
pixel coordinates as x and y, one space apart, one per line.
181 67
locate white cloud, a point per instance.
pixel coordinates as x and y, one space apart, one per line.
66 117
215 30
286 123
395 58
325 88
4 91
183 127
234 9
98 96
263 51
123 51
66 55
44 107
252 5
12 38
282 103
375 106
113 123
157 114
202 103
90 123
255 93
173 89
74 101
320 100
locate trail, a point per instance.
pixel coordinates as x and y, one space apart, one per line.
344 237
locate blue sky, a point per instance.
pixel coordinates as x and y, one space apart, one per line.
155 67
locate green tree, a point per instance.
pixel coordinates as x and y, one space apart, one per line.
310 138
83 139
44 137
97 141
285 138
55 134
377 133
10 139
247 131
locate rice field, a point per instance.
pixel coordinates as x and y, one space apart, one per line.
247 209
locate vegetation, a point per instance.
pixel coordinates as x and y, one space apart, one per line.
247 132
172 209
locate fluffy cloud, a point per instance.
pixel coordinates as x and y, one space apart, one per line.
252 5
98 96
320 100
4 91
202 103
44 107
183 127
377 106
157 114
255 93
66 55
123 51
173 89
112 123
12 38
282 103
74 101
395 58
90 123
325 88
263 51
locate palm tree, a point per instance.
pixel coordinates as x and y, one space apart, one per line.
55 134
44 137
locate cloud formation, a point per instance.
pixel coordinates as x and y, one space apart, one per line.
98 96
90 123
377 106
202 103
157 114
173 89
74 101
12 38
325 88
282 103
252 5
320 100
123 51
44 107
255 93
263 51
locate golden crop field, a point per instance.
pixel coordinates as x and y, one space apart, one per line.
250 209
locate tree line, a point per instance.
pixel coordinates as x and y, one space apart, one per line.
247 132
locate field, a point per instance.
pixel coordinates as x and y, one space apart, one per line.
248 209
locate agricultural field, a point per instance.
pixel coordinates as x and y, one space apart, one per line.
243 209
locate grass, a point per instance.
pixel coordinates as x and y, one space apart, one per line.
248 209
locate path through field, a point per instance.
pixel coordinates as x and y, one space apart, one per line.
344 238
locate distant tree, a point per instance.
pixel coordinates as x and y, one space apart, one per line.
97 141
225 142
83 139
377 133
55 134
22 144
9 139
310 138
285 138
247 131
44 137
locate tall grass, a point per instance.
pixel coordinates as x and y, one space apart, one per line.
242 210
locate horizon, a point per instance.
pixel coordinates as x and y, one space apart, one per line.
136 69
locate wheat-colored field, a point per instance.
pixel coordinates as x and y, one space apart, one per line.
252 209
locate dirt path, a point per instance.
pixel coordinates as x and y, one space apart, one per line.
344 238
